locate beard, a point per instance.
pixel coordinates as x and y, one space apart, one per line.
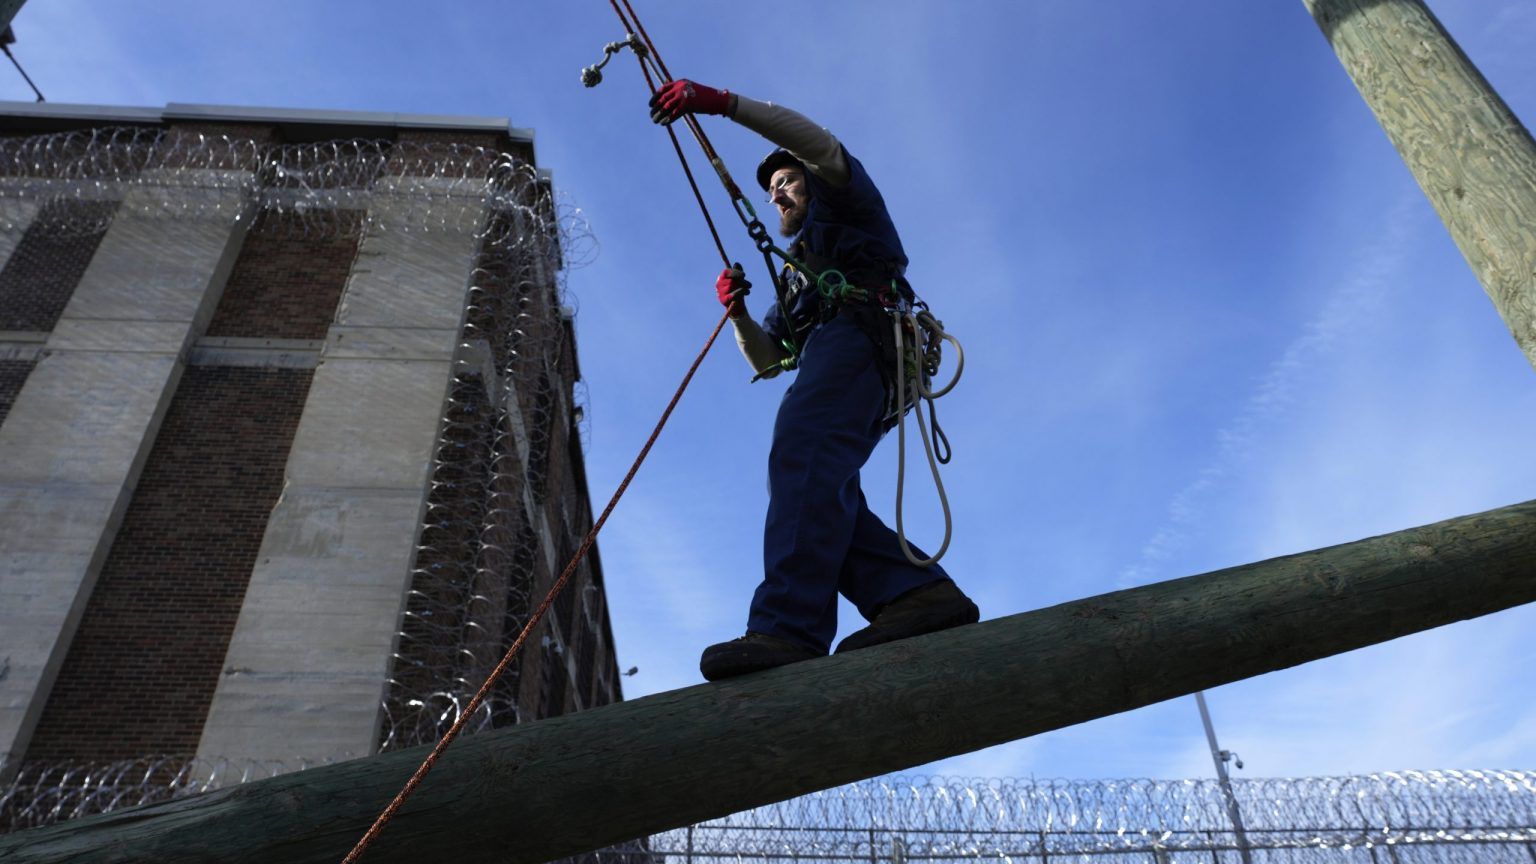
791 220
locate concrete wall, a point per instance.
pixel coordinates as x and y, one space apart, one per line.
306 667
146 657
74 442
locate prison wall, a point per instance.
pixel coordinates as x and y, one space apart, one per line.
283 422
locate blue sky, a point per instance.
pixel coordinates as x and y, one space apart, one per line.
1209 317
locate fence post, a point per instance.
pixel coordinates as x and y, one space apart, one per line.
688 853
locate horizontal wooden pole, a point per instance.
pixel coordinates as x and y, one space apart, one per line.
558 787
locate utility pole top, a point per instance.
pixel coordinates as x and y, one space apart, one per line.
8 10
1469 152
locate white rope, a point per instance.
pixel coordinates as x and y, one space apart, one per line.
924 392
922 386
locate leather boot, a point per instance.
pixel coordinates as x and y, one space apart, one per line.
752 653
925 609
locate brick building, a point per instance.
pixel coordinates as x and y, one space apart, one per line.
289 446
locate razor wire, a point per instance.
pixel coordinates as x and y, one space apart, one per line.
45 793
1410 816
1441 816
179 173
502 493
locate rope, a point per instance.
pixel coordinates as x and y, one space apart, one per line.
586 544
538 615
640 28
923 391
17 63
693 123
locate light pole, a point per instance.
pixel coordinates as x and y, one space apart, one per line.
1220 757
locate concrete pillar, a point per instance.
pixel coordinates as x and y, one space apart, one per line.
17 214
75 441
304 677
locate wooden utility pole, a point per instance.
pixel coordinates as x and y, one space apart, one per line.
8 10
1469 152
558 787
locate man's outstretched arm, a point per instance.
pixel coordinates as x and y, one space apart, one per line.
813 145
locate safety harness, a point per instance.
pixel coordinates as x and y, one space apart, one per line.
908 342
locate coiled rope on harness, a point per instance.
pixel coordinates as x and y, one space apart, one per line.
917 373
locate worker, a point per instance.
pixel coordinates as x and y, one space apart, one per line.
820 538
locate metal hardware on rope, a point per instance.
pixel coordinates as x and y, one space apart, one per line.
756 230
591 76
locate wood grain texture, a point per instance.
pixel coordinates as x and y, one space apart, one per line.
1468 151
550 789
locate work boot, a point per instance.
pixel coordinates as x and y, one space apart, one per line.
752 653
925 609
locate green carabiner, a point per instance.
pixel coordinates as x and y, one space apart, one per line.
834 287
831 284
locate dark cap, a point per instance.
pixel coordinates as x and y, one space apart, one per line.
779 158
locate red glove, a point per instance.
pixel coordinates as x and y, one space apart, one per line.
679 97
730 288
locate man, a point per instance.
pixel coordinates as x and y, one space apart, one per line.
820 537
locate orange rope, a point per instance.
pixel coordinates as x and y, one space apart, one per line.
586 544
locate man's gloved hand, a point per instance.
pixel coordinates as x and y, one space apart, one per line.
679 97
730 288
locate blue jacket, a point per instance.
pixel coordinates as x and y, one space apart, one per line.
850 227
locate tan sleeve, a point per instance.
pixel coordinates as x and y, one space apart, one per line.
762 352
821 152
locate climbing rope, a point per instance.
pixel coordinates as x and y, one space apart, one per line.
644 50
538 614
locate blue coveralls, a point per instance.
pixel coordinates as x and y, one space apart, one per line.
821 538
